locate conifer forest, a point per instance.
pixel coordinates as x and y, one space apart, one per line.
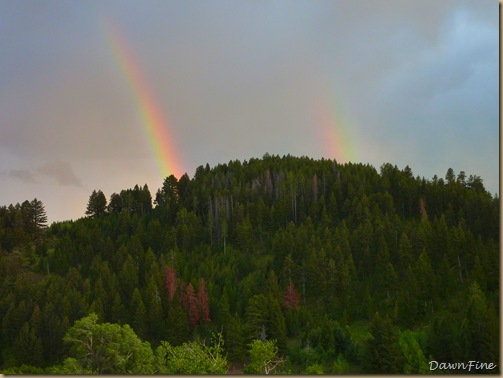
272 265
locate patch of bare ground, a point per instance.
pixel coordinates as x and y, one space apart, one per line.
235 369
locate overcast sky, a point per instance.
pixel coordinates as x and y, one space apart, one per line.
407 82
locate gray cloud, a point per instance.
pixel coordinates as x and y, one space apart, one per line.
24 175
237 79
61 171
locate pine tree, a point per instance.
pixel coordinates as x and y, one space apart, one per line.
38 215
276 323
177 327
483 326
256 317
128 278
23 346
139 313
202 298
170 282
414 361
117 308
383 348
234 339
97 204
115 203
191 306
154 319
291 299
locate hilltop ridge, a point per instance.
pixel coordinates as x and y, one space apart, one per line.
348 268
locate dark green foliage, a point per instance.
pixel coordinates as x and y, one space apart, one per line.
97 204
483 325
384 355
235 339
22 224
328 338
257 311
295 250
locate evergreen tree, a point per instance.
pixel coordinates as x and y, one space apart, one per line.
154 315
97 204
139 313
343 240
234 339
256 317
483 326
383 348
414 361
190 304
291 299
276 323
177 327
170 281
115 204
128 277
38 216
202 299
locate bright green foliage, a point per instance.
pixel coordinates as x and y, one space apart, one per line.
314 369
414 361
340 365
70 366
264 357
192 358
109 348
23 369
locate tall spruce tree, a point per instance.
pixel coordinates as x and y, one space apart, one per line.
97 204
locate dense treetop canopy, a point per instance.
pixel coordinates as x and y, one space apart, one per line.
332 268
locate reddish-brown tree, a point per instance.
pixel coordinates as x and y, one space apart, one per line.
202 297
170 281
192 305
291 299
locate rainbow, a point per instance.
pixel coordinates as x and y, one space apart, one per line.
154 124
334 131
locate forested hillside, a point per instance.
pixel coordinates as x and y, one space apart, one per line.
347 268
